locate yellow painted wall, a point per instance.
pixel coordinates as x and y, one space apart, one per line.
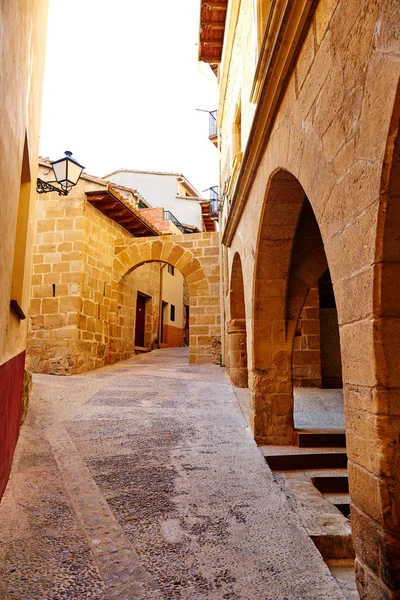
172 292
22 53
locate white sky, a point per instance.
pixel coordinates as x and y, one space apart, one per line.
122 83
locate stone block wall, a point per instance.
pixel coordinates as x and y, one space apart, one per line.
306 357
83 306
58 271
331 127
80 318
196 256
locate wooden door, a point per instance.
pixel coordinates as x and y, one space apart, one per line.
140 321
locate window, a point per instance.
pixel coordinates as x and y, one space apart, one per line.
171 270
172 313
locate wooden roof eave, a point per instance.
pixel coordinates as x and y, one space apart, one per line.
212 30
107 202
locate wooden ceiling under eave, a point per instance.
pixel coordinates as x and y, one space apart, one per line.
112 206
212 29
209 223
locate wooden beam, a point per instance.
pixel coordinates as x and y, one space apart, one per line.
213 25
213 44
102 205
215 4
136 228
99 197
127 219
115 212
210 58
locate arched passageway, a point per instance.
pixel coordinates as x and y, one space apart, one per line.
289 262
197 258
316 360
237 339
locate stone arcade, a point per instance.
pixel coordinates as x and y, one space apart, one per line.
308 139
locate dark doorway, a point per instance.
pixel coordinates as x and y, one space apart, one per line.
140 320
162 332
331 364
185 336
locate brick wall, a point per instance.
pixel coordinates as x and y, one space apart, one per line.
156 217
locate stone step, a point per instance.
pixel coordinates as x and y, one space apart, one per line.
288 458
324 523
320 438
343 571
141 350
333 482
341 501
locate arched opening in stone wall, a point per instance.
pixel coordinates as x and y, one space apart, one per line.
316 358
151 309
196 258
237 338
154 310
291 266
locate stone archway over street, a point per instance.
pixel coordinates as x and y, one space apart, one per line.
196 256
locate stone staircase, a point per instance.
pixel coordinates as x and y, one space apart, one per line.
313 475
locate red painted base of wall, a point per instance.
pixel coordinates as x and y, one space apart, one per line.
11 387
172 336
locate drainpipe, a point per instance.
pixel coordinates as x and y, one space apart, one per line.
222 251
221 294
160 306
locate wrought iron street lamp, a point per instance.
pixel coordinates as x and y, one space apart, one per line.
66 171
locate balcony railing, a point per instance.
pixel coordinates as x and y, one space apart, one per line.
168 216
212 124
214 201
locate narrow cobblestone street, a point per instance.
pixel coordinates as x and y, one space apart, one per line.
142 480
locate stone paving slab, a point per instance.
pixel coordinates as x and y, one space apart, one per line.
117 561
159 489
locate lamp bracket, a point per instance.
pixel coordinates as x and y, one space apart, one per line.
43 187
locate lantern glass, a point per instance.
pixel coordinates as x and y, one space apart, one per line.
67 171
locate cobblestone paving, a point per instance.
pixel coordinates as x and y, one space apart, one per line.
142 481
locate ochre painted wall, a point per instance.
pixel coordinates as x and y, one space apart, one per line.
172 292
172 337
22 52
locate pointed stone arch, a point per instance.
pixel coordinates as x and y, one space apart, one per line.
196 256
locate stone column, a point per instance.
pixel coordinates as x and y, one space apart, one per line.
237 352
271 398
